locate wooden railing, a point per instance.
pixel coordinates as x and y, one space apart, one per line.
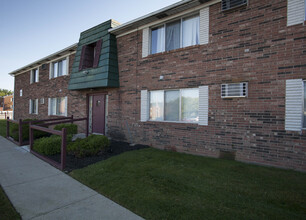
20 122
62 133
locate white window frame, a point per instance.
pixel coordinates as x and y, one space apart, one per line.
180 106
51 69
164 25
32 80
54 100
31 110
203 11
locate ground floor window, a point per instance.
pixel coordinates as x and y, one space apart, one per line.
58 106
33 106
175 105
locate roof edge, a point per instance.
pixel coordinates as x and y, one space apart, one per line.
13 73
115 29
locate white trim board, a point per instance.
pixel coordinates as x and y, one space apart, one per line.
164 20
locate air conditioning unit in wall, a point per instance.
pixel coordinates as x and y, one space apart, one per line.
234 90
230 4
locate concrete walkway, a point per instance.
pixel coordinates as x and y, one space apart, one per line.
39 191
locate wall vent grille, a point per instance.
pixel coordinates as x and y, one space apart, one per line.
230 4
234 90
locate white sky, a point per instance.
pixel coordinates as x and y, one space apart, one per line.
33 29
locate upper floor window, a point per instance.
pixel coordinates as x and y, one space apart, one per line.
34 76
177 34
59 68
90 55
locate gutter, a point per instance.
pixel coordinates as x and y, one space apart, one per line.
113 30
43 59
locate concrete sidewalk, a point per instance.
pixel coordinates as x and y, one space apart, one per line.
39 191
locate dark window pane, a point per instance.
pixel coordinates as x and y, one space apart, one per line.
172 105
87 56
173 31
60 68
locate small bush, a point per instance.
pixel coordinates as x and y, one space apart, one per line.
50 145
14 131
71 128
89 146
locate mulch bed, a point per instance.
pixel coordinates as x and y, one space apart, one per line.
116 148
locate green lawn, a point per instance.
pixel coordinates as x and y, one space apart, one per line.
157 184
3 127
7 211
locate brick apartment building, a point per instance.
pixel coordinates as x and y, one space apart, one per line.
6 103
211 78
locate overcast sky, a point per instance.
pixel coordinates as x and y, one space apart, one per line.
33 29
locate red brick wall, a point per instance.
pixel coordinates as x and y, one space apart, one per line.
47 88
251 44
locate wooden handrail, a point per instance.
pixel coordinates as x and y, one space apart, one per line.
62 133
48 130
42 126
65 121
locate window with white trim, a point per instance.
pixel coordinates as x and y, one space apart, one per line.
174 105
34 76
183 32
57 106
33 106
59 68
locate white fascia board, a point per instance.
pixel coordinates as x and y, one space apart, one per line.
163 20
148 15
28 67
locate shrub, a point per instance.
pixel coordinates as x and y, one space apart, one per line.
50 145
14 131
89 146
71 128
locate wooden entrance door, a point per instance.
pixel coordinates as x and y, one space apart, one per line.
98 114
